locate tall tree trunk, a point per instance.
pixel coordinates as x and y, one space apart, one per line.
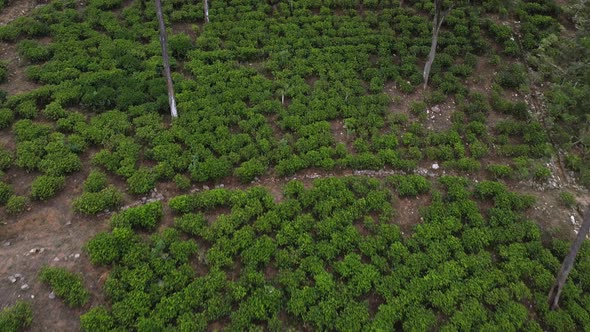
439 17
568 262
206 10
164 43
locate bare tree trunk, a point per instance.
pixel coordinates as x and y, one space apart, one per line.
206 10
568 262
164 43
439 17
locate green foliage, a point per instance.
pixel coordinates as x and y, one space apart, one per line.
512 76
95 182
97 319
16 204
16 318
65 285
3 72
145 216
6 117
6 192
409 185
142 181
46 186
182 182
89 202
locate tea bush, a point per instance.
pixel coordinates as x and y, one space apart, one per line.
16 204
90 202
16 317
46 186
65 285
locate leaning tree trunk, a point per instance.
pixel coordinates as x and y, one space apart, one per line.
206 10
439 17
568 262
164 43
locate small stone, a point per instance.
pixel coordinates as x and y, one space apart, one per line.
52 295
77 256
32 296
12 279
221 185
6 244
436 109
18 275
24 287
56 259
435 166
205 187
573 219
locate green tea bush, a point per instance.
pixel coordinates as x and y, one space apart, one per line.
108 198
95 182
16 204
3 72
27 109
17 317
54 111
409 185
33 51
512 76
182 182
5 158
97 319
6 118
108 248
250 169
46 186
145 216
5 192
142 181
499 171
65 285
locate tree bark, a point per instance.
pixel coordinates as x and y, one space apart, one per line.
568 262
206 10
164 44
437 22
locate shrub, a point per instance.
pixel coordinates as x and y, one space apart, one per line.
141 181
54 111
182 182
95 202
60 163
65 285
542 173
46 186
5 192
107 248
16 317
5 158
248 170
145 216
97 319
500 171
16 204
27 109
512 76
95 182
6 118
409 185
3 72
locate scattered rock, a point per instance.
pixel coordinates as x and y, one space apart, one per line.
52 295
37 250
205 187
573 219
435 109
76 255
56 259
6 244
12 279
24 287
435 166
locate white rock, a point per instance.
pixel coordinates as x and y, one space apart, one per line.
12 279
435 166
77 256
573 219
52 295
24 287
